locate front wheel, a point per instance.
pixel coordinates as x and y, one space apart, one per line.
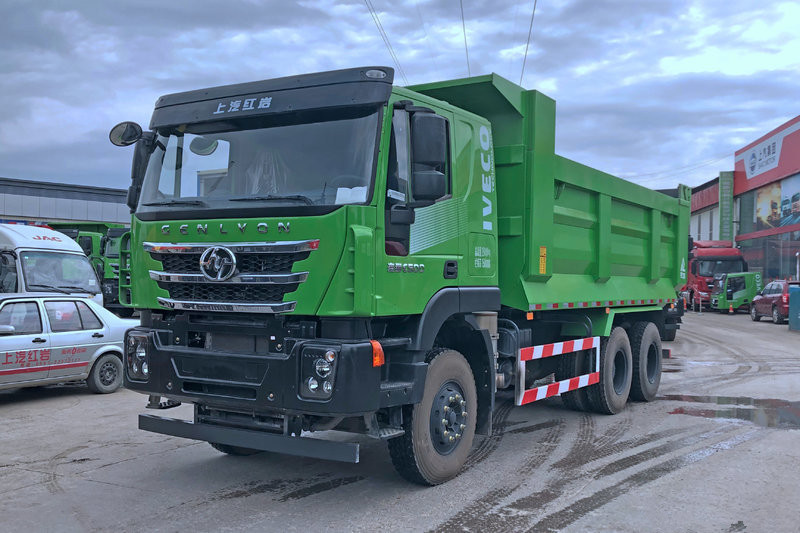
610 395
438 430
754 316
106 374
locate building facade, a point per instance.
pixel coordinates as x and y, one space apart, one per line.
38 201
767 190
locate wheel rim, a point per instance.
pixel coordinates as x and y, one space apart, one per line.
108 373
652 363
620 372
753 312
448 418
775 314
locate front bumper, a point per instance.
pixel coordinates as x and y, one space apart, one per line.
248 438
269 381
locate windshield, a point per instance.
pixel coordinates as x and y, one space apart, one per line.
54 271
711 268
319 163
112 248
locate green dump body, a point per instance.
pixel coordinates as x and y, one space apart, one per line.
736 290
569 235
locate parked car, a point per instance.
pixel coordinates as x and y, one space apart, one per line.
48 339
773 301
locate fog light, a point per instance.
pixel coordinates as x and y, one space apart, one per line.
322 367
312 384
135 367
145 368
330 355
327 387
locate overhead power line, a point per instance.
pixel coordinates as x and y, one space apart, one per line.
385 38
464 29
678 170
530 31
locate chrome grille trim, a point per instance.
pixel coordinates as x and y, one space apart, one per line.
242 247
271 307
253 279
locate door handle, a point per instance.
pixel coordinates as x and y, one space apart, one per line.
97 335
39 339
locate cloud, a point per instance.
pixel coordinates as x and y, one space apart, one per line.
643 89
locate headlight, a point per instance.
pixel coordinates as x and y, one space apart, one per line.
317 371
137 358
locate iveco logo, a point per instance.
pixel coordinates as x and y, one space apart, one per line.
217 263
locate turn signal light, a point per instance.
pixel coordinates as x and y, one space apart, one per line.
378 358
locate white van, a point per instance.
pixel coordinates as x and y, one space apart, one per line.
38 259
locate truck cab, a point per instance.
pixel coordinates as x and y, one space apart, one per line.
38 259
707 260
734 291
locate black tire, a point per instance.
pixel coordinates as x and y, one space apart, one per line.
572 365
669 334
610 395
776 316
418 455
233 450
646 352
754 316
106 374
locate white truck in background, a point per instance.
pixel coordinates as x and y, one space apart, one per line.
38 259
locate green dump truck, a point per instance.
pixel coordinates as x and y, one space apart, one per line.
331 252
734 291
100 242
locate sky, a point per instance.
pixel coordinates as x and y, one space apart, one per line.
658 92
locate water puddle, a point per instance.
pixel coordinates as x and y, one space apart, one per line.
769 413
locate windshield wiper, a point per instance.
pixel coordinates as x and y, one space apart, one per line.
48 287
300 197
76 288
177 202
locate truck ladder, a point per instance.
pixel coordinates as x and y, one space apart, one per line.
523 395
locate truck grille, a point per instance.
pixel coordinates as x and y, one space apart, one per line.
219 292
261 278
246 263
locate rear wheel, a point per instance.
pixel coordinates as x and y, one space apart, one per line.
233 450
611 393
646 352
776 316
438 430
754 316
572 365
106 374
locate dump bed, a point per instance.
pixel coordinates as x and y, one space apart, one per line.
569 235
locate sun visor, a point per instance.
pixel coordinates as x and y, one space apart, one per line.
250 100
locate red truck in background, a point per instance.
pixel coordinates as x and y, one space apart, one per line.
706 260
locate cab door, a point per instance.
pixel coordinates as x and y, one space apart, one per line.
75 334
24 350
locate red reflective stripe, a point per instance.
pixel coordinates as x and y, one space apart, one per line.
568 347
574 383
526 354
41 368
547 350
552 390
594 377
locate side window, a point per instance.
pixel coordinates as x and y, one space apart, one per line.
24 316
8 273
88 318
63 316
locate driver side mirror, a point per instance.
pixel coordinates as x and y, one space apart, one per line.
7 330
694 268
